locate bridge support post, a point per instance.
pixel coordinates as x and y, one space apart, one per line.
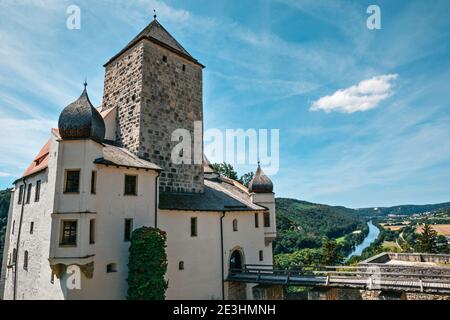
268 292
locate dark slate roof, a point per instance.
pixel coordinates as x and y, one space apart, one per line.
116 156
80 120
156 33
216 197
260 182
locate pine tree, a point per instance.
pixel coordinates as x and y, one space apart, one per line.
427 240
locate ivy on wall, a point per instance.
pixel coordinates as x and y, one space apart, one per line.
147 265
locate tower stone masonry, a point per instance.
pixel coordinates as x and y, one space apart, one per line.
156 86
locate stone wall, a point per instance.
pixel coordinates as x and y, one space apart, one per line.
268 292
156 92
123 90
171 100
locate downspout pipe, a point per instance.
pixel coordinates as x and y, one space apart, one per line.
156 198
221 254
16 262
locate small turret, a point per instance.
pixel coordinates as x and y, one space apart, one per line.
80 120
260 182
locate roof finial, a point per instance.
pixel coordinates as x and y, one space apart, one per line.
154 15
85 83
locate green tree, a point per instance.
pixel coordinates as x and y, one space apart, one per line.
426 240
246 178
147 265
226 170
330 253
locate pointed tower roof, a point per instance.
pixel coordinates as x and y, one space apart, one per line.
260 182
156 33
80 120
156 30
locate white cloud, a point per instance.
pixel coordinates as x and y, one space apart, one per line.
4 174
364 96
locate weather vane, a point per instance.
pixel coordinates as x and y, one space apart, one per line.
85 82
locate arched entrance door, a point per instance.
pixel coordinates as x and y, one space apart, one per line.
236 261
236 290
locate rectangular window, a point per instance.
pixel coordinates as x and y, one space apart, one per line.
94 182
92 231
31 227
128 230
69 233
14 256
25 260
110 268
37 192
29 193
256 220
130 185
261 255
194 227
14 226
20 194
266 219
72 184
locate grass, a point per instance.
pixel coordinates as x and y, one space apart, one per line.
390 245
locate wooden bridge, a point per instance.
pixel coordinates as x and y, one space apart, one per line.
351 277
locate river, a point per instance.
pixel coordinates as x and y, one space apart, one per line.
371 237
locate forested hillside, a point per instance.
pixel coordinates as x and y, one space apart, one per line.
303 224
403 209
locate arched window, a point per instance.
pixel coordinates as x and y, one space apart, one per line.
235 225
25 260
181 265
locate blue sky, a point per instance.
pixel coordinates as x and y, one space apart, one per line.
363 114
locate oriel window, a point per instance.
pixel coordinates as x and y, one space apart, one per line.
266 219
69 233
92 231
72 181
94 182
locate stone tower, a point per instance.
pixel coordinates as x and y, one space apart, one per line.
156 87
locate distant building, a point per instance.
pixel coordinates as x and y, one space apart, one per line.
106 171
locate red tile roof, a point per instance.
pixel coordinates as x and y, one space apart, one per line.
40 162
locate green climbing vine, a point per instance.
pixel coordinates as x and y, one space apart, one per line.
147 265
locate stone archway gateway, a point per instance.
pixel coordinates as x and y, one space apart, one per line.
236 290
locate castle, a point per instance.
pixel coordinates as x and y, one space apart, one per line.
106 171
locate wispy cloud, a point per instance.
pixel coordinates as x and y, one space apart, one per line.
361 97
4 174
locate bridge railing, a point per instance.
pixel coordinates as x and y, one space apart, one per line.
337 271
